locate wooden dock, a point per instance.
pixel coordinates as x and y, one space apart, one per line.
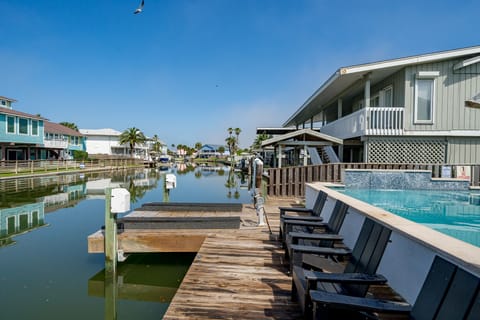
236 274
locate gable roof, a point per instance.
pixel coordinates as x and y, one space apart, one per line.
19 113
51 127
307 135
346 77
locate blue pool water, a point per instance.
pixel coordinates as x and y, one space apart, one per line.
455 213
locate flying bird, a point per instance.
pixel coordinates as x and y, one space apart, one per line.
140 7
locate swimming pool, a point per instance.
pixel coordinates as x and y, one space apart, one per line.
455 213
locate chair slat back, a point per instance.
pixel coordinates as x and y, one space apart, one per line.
338 216
448 292
367 253
319 203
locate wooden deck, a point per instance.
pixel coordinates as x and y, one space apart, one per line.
236 274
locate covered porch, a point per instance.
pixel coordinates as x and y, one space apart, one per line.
304 147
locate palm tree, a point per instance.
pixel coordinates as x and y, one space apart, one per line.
237 133
230 130
70 125
232 147
198 146
259 139
132 136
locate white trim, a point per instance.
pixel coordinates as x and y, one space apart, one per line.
432 107
466 63
410 60
450 133
428 74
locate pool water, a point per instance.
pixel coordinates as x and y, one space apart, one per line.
455 213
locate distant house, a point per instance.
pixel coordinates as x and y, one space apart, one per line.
212 150
21 134
60 142
419 109
107 142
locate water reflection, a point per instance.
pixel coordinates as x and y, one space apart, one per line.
51 268
24 202
143 277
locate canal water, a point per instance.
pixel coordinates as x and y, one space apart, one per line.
45 270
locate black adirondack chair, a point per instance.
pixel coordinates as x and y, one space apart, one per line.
307 214
449 292
357 275
320 234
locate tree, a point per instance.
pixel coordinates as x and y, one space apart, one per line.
157 145
237 133
70 125
132 137
198 146
221 149
259 139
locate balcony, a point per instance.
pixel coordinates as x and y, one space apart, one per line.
55 143
378 121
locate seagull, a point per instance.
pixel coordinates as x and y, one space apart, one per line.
140 7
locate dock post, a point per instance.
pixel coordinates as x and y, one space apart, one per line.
110 235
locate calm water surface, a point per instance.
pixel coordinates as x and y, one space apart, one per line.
46 272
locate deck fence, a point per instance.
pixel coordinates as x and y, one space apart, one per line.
290 181
39 166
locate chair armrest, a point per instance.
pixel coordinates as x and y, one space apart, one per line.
315 236
320 250
358 303
352 278
294 209
305 223
304 218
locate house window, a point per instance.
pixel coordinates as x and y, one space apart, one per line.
23 126
424 102
388 97
34 128
10 124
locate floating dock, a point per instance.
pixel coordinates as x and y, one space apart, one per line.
238 272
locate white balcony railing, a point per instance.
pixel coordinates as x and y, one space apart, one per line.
368 121
55 143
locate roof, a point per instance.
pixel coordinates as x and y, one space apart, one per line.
51 127
100 132
19 113
306 134
275 131
7 99
347 77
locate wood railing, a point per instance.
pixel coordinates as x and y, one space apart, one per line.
40 166
290 181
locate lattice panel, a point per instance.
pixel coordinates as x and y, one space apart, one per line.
406 151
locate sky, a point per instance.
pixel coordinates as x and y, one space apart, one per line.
187 70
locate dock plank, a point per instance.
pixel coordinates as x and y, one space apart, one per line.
236 274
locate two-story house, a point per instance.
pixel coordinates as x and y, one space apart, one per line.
21 134
60 142
106 142
419 109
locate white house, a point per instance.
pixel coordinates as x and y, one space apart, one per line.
106 142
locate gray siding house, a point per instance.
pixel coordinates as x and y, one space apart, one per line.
419 109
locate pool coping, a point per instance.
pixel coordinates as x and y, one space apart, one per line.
460 252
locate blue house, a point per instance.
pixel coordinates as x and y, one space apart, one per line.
21 134
212 150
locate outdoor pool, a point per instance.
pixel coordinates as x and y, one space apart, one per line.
46 271
455 213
